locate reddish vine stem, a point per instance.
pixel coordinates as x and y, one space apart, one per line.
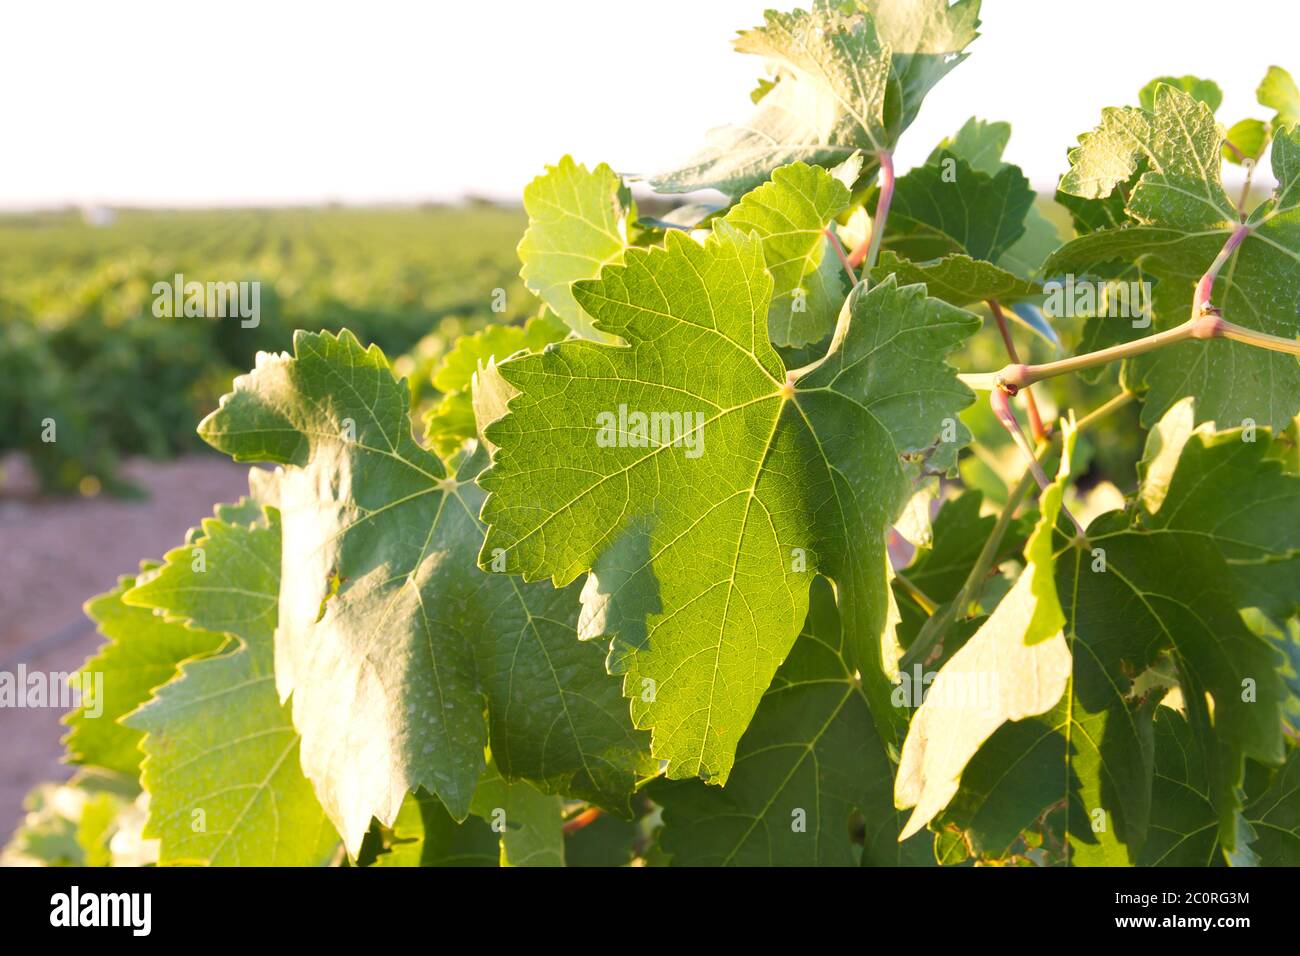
1205 323
839 251
867 250
585 818
1000 400
1031 406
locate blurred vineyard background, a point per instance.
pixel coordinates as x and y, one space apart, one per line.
82 346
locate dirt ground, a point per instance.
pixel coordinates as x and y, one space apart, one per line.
57 552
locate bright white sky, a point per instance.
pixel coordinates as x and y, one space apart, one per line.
203 103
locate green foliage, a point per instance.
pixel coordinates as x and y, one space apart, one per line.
642 595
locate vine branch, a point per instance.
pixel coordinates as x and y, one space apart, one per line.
867 250
1031 406
936 628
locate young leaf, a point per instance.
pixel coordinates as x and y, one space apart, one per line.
1203 91
703 540
221 764
810 758
790 215
1183 219
577 223
970 219
450 423
973 212
1278 92
391 640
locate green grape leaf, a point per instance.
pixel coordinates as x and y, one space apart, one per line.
809 761
979 142
956 278
1248 138
1016 666
704 535
577 223
221 764
424 834
1203 91
850 79
391 641
450 423
1184 823
790 214
828 103
1189 473
1024 258
1184 828
1278 92
1273 813
528 821
1183 219
952 205
926 39
143 652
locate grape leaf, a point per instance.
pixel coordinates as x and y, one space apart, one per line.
956 278
964 210
450 423
979 142
528 821
391 640
1278 92
1184 823
790 214
142 653
577 223
221 764
703 542
1016 665
1203 91
848 79
1189 473
424 834
1183 218
963 220
1248 138
810 758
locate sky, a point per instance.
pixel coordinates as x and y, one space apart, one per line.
220 103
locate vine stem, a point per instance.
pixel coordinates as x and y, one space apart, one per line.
585 818
867 250
936 628
1031 406
1000 400
839 251
1204 323
923 600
